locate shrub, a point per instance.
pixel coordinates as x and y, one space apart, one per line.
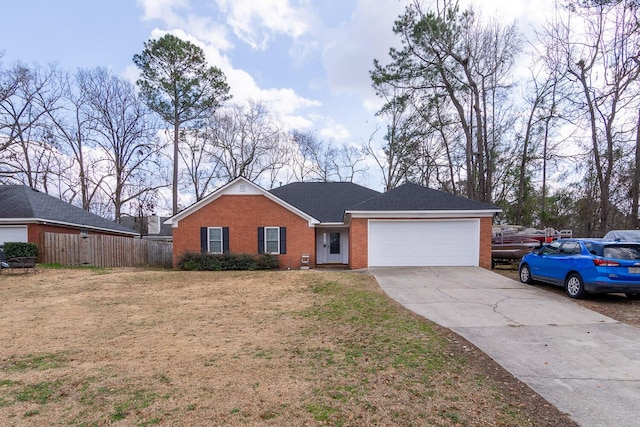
228 261
20 249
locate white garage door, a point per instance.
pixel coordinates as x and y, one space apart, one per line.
424 243
13 233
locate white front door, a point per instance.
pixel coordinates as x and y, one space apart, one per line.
332 246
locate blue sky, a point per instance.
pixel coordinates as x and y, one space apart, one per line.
307 60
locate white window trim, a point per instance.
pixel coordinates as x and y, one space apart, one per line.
265 240
209 240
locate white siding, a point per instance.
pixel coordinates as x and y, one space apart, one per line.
424 243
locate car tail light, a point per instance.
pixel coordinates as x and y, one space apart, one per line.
599 262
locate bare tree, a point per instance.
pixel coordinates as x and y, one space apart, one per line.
201 170
596 45
242 138
451 56
124 132
26 95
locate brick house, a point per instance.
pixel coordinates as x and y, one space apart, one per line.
26 214
338 223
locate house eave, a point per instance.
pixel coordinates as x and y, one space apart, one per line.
44 221
331 225
424 214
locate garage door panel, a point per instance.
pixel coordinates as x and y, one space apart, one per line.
424 243
13 233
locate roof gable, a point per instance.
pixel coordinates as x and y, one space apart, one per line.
326 201
413 197
22 204
243 187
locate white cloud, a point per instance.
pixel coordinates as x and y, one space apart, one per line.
255 22
332 131
249 20
176 18
163 10
350 50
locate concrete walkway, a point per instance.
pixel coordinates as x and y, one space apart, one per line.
584 363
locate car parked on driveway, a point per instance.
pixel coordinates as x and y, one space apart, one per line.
584 266
623 235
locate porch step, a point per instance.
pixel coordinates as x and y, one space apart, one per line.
332 266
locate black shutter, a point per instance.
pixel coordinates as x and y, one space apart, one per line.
204 239
260 240
283 240
225 239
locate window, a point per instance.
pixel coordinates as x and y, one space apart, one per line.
272 240
334 243
215 240
551 249
571 248
627 251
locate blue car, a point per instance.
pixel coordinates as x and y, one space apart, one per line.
584 266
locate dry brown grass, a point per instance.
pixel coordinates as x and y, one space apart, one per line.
142 347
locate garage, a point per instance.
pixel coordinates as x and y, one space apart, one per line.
13 233
412 243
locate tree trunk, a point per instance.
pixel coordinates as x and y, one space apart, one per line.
174 185
634 222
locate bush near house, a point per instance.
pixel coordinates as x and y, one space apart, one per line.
228 261
20 249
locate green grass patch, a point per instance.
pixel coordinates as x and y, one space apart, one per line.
38 362
38 393
57 266
138 399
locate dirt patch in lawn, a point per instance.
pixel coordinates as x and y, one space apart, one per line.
139 347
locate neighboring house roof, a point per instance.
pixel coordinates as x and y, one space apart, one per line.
21 204
413 197
153 226
325 201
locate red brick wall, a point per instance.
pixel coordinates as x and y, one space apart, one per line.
485 242
359 242
243 214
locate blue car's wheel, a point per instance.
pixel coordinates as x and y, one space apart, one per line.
525 274
574 286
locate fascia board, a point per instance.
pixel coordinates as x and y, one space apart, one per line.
424 214
331 224
20 221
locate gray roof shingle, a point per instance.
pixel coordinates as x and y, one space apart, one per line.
23 203
413 197
325 201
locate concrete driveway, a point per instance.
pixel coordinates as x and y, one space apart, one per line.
584 363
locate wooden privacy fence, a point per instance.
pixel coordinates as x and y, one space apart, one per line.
99 250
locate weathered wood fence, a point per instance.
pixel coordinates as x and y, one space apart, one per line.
104 251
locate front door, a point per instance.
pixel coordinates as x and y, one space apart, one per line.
332 246
335 245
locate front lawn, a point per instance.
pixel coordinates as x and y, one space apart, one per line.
281 348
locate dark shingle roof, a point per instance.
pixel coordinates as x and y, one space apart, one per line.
325 201
134 223
413 197
23 203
